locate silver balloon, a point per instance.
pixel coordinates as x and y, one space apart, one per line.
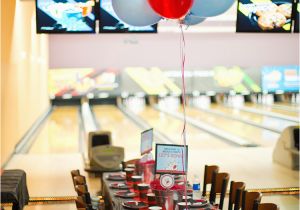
190 19
209 8
135 12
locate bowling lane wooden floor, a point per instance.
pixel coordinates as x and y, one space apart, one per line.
251 133
172 127
124 132
272 109
60 133
272 122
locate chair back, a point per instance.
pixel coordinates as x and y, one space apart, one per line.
235 195
80 202
125 163
79 180
208 172
75 173
81 189
219 185
267 206
250 199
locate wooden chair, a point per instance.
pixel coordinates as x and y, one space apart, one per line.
219 185
80 202
250 199
235 195
75 173
266 206
81 189
125 163
79 180
208 172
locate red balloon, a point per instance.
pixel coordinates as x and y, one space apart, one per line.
173 9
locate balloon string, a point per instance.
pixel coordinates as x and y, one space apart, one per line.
182 56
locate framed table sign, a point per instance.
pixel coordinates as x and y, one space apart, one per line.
171 159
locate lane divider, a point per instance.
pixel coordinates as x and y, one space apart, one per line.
232 139
218 113
276 115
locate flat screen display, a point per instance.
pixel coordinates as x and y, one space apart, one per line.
65 16
110 23
171 159
283 78
264 16
146 141
297 15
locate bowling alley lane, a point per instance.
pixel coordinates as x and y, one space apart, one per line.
124 132
60 132
275 123
252 134
272 109
171 127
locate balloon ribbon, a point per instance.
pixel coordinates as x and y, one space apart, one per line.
182 56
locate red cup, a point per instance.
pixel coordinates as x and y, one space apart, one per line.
129 173
135 181
143 190
151 199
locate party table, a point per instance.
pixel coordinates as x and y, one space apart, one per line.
115 203
14 188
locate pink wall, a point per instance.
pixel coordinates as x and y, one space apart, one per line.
202 50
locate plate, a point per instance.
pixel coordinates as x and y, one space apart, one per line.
118 185
134 205
198 204
116 177
125 194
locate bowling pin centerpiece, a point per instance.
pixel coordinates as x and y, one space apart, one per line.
146 164
171 160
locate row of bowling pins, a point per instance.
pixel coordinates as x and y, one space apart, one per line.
169 102
202 102
135 103
267 99
234 100
295 99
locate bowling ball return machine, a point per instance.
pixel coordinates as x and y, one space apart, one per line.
103 157
286 151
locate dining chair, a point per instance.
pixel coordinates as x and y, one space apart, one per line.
79 180
126 163
266 206
219 185
74 173
208 172
235 195
81 189
250 199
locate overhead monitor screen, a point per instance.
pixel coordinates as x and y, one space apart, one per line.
297 15
65 16
264 16
110 23
280 78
